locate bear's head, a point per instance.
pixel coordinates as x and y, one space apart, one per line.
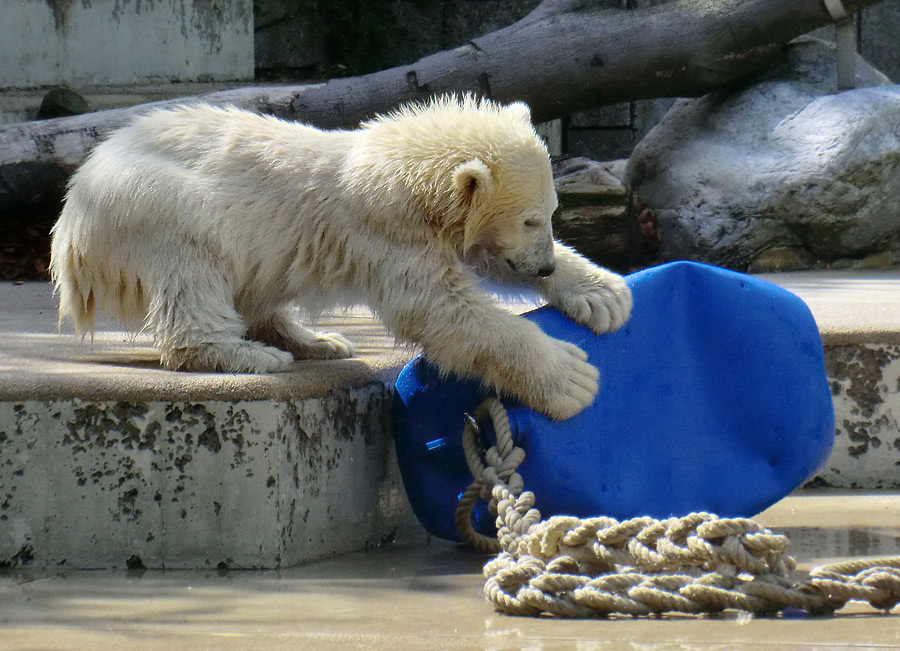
508 207
473 170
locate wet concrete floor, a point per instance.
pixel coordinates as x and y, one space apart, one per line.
428 597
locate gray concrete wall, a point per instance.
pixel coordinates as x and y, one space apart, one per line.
100 42
865 384
238 484
270 484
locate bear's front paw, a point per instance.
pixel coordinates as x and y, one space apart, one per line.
603 304
571 387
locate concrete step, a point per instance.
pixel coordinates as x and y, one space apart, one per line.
108 461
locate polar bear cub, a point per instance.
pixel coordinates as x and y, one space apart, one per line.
205 226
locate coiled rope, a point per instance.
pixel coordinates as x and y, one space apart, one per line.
593 567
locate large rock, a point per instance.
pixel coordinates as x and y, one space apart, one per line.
779 174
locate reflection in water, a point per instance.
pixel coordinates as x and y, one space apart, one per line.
817 545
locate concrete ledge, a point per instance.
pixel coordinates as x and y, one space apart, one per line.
40 361
108 460
850 307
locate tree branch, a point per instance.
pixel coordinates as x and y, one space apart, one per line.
567 56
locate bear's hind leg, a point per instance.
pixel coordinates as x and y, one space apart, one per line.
201 331
282 331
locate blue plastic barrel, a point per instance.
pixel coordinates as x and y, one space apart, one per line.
713 397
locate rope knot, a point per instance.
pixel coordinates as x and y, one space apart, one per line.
699 563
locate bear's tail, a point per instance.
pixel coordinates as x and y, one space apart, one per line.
76 296
85 281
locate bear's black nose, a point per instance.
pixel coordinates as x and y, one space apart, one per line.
543 272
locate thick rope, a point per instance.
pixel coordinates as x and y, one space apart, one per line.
593 567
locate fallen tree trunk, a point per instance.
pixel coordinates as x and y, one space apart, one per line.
568 55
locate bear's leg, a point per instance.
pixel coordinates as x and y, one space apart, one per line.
282 331
462 331
198 329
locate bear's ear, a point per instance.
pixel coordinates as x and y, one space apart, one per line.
472 179
521 111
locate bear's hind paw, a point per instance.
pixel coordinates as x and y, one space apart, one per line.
238 357
325 345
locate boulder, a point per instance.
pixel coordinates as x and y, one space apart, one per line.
781 173
62 102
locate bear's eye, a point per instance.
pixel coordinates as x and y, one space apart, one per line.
532 223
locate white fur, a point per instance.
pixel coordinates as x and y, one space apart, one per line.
205 225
